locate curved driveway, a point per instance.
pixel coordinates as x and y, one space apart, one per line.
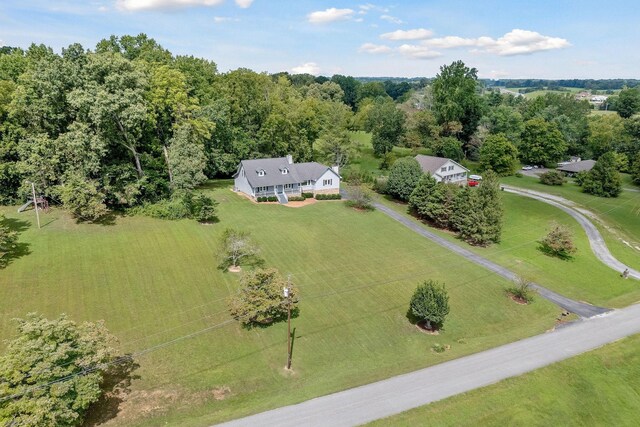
580 308
598 246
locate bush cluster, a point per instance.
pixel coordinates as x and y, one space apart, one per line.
307 195
297 199
263 199
336 196
552 178
183 205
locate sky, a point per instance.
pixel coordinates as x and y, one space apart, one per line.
548 39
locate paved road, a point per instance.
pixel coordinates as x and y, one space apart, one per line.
394 395
580 308
598 246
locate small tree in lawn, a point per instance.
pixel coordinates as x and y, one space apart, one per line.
260 300
8 240
521 290
558 242
360 198
430 304
237 246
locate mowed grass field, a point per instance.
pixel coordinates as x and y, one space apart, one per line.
620 225
156 285
599 388
583 278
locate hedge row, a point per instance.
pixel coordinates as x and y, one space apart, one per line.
328 196
267 199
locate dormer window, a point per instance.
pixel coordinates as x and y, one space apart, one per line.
284 171
261 172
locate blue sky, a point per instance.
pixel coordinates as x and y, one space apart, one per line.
501 38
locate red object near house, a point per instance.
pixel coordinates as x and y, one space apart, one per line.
472 183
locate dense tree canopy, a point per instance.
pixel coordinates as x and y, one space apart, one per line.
403 178
604 179
499 155
456 97
542 143
52 371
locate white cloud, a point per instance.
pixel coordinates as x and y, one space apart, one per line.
521 42
417 34
374 48
136 5
364 8
495 74
418 52
330 15
103 9
392 19
450 42
515 42
307 68
244 3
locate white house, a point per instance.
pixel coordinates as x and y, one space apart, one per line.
443 169
281 177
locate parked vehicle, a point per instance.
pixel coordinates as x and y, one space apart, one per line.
472 183
475 177
527 168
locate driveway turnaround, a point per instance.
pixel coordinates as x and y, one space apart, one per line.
398 394
580 308
598 246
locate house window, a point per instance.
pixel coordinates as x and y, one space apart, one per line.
285 171
326 182
288 186
261 172
444 169
450 168
261 189
305 183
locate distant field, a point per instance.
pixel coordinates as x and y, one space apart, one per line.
155 283
596 388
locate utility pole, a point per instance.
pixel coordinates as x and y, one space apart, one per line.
35 202
287 295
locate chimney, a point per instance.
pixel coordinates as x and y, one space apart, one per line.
336 169
289 159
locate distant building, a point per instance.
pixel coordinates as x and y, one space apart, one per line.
443 169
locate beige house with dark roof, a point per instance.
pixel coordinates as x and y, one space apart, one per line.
443 169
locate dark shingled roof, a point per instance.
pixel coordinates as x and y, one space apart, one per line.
585 165
433 164
298 172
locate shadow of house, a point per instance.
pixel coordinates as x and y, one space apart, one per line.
19 249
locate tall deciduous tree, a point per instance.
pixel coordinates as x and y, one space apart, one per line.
456 97
386 122
542 143
628 102
52 371
604 179
499 155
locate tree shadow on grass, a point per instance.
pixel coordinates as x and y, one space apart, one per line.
20 249
115 388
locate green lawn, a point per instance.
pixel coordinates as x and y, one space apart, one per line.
596 388
365 161
583 278
156 285
620 215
